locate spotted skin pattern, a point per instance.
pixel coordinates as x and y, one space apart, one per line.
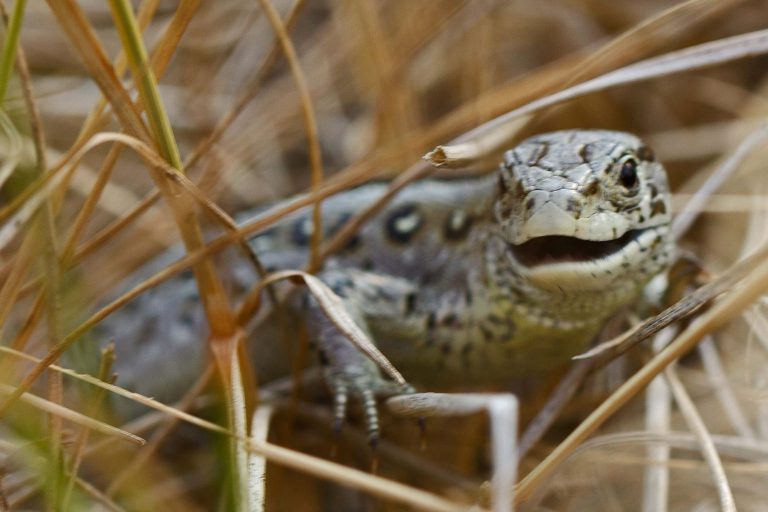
477 282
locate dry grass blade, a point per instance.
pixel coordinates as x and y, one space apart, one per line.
258 465
688 59
310 124
658 409
454 156
12 149
85 40
73 416
237 411
650 32
708 450
724 390
312 465
104 374
568 386
690 212
731 446
160 434
28 207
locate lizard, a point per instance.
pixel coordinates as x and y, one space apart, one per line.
459 283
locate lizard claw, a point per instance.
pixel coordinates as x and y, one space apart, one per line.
366 387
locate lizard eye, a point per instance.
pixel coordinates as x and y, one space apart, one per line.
628 173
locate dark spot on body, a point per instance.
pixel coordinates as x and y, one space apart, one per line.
519 192
385 294
457 225
581 152
466 352
502 184
591 188
654 191
658 207
403 223
410 303
301 231
510 332
187 318
504 209
450 320
541 151
340 222
267 233
531 203
341 285
355 241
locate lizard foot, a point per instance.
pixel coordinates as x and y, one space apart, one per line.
366 386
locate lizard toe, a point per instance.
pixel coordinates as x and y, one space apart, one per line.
364 387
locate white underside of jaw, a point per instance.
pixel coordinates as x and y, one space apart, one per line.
592 274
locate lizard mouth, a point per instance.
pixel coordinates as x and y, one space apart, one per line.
547 250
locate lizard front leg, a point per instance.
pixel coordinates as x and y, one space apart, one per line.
372 300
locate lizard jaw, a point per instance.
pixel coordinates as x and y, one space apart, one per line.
565 262
552 249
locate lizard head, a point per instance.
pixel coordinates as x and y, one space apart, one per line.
578 208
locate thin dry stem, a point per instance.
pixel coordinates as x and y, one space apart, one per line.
310 125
